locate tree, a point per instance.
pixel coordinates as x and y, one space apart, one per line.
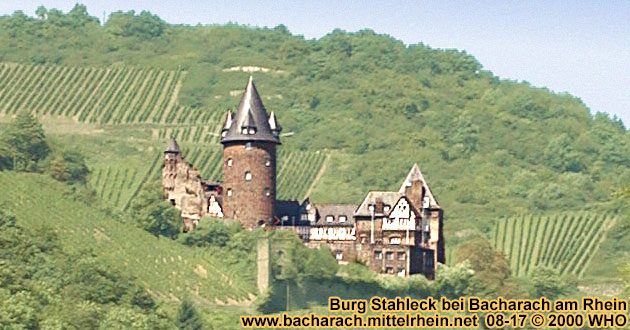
69 166
26 142
491 268
546 282
152 213
187 316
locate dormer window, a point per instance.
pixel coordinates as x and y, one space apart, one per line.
244 130
330 218
251 131
342 218
248 176
371 207
224 133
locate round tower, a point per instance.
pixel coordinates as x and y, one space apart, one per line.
249 139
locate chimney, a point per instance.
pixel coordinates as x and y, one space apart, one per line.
415 193
378 208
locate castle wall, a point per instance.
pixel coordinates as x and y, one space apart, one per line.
249 199
182 187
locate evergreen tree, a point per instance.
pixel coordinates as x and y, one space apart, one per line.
26 142
187 316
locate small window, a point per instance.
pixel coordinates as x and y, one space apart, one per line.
224 133
244 131
248 176
371 207
401 256
342 218
285 218
389 255
229 192
308 207
389 270
339 255
394 240
248 145
330 218
401 272
378 255
387 208
251 131
229 162
267 192
268 162
363 239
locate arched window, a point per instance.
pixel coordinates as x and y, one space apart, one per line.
268 162
267 192
229 192
229 162
248 176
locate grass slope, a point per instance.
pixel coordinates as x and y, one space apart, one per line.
168 269
566 242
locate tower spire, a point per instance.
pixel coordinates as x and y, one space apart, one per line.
173 147
250 122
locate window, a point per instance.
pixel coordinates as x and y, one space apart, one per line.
394 240
371 207
389 255
248 176
378 255
268 162
401 255
389 270
342 218
229 162
387 208
285 218
244 130
339 255
363 239
330 218
229 192
267 192
252 131
224 133
248 146
401 272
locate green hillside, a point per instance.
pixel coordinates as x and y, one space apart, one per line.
566 242
529 169
168 269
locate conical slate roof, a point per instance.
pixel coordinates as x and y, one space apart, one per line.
251 114
173 147
414 175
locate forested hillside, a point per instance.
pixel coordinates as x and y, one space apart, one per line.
529 170
486 145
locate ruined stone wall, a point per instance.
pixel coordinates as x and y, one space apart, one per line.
182 187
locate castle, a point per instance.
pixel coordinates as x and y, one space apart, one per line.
393 232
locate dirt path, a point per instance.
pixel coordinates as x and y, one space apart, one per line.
319 175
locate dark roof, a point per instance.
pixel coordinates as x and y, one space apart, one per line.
290 209
173 147
335 210
387 197
251 113
414 175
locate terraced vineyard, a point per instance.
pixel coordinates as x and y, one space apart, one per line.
566 242
119 184
167 268
111 95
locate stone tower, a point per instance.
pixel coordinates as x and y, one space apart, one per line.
172 156
249 139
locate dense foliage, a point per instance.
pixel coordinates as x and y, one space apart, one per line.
151 212
42 286
23 143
